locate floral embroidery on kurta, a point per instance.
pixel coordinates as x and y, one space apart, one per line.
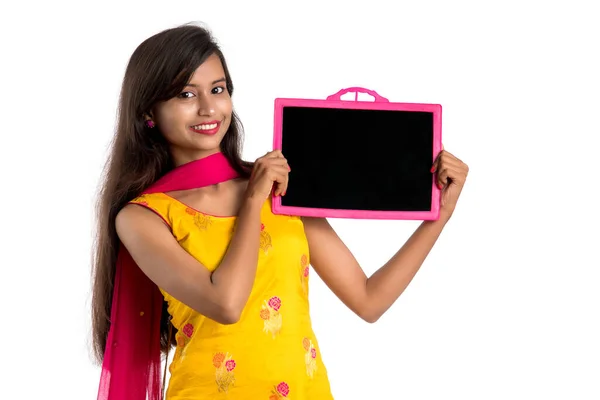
224 377
265 239
190 211
269 313
182 341
304 270
202 221
279 392
188 330
310 357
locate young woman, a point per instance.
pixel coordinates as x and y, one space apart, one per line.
190 255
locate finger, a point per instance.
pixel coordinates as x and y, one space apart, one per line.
284 187
280 161
436 161
279 175
447 159
449 175
450 156
279 169
280 180
274 154
445 156
268 163
442 178
267 156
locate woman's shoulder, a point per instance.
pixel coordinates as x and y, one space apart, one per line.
147 198
157 203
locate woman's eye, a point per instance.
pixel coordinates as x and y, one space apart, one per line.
218 90
186 95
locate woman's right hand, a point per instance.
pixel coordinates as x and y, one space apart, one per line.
270 172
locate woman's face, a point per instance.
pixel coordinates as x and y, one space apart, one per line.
195 122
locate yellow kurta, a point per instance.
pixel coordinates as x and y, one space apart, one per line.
272 352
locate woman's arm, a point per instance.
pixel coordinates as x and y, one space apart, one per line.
371 297
220 295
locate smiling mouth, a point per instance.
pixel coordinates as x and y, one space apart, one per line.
209 128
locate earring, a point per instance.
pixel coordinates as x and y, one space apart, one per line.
150 124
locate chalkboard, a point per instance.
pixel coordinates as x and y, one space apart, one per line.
358 159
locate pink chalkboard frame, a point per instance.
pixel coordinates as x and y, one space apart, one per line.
378 103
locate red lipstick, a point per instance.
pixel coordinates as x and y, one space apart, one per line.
207 128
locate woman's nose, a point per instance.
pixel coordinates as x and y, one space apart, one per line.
205 106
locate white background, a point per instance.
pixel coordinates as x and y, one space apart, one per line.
507 304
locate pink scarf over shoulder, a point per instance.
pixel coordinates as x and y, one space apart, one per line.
132 360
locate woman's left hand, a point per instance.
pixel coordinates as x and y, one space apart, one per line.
451 175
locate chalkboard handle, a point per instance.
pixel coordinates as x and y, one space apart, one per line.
338 95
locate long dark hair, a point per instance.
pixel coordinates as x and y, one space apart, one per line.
158 70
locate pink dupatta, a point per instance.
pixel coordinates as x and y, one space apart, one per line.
132 360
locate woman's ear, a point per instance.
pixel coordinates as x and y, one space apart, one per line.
149 121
